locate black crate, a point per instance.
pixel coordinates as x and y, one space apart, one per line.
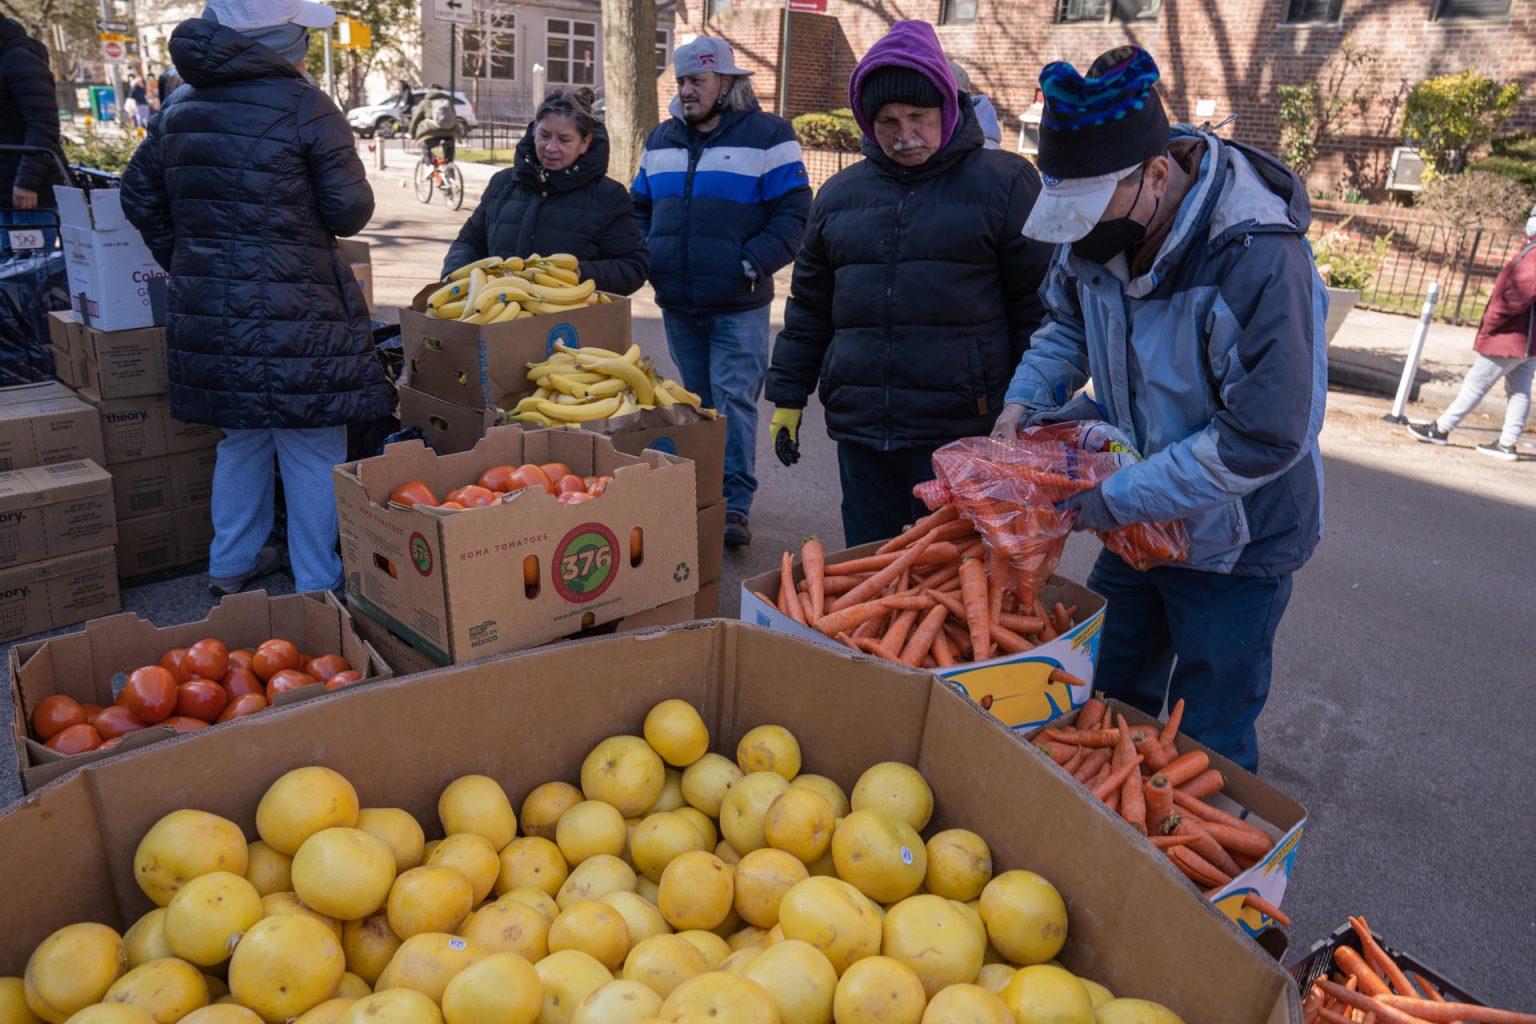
1318 963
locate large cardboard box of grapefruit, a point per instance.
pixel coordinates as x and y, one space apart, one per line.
527 568
492 750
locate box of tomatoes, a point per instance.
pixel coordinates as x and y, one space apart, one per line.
528 537
123 682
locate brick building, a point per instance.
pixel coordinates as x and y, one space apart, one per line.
1219 57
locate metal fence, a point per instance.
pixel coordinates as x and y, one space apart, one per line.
821 164
1464 259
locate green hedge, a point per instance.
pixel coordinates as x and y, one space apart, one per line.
833 129
1513 156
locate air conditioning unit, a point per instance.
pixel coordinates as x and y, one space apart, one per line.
1029 130
1407 172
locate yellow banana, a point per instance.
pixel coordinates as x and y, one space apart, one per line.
599 410
606 388
627 407
530 402
477 281
562 296
603 299
632 355
528 417
626 371
554 277
564 385
562 398
447 293
524 314
448 311
681 393
491 313
468 268
508 312
664 397
538 306
563 260
572 351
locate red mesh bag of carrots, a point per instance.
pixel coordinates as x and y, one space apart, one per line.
1009 491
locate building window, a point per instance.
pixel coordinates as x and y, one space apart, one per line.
663 50
1068 11
489 49
1137 10
958 12
1471 9
1084 11
1299 12
717 7
572 51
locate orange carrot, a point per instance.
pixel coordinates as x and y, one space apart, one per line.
1124 748
869 645
1206 813
1175 717
1204 784
1008 640
1331 1016
1047 629
895 639
787 592
943 654
973 591
959 640
1095 760
1080 754
1254 901
946 514
1428 986
905 602
1020 623
997 579
1186 767
1378 957
877 583
869 627
1116 778
1353 963
937 553
765 599
1207 847
1061 675
923 639
847 618
813 558
1163 842
1061 753
1091 713
832 586
1159 797
1060 619
1385 1014
1159 755
1133 803
1113 802
1250 841
1443 1013
1196 868
1092 738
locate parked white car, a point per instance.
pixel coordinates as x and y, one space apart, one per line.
387 120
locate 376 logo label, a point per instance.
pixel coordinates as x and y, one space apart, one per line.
585 562
421 554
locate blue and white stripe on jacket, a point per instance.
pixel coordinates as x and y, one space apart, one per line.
706 203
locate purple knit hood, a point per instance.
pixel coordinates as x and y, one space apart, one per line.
915 45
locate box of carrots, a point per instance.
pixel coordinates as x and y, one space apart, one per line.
1232 835
1354 972
926 599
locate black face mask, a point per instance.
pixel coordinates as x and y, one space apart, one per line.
1111 237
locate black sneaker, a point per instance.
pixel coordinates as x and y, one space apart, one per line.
1506 452
266 562
738 530
1429 432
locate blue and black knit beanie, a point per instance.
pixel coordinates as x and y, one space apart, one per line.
1103 122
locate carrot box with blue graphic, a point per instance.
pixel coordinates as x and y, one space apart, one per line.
1022 690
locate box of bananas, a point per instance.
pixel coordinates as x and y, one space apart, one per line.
495 290
586 384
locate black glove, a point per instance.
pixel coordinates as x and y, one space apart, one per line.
1092 511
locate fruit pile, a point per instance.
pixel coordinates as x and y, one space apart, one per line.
674 885
191 688
577 385
497 482
495 290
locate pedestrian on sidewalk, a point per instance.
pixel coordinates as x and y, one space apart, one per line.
557 197
1184 287
1505 347
240 190
721 197
915 291
29 116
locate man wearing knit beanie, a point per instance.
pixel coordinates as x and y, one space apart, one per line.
1183 286
914 291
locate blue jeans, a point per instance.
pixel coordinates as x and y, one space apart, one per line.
877 490
242 502
723 358
1215 633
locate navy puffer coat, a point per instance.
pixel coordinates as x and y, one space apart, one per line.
240 189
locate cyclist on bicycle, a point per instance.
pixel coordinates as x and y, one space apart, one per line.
435 122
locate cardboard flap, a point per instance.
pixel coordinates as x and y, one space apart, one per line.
74 210
15 400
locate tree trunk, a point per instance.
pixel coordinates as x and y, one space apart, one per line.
629 82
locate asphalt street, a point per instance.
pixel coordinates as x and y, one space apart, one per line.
1408 637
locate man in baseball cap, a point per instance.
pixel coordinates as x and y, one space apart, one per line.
1183 286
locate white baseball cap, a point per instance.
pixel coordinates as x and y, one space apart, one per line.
248 15
1068 208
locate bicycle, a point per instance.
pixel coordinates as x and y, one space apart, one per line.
442 175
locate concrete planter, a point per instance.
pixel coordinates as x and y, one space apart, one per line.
1340 302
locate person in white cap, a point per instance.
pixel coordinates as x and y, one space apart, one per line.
240 189
722 200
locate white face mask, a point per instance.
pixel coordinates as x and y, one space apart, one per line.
1530 226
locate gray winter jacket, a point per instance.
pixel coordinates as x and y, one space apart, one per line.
1214 361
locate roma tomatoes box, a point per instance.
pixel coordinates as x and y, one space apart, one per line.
470 583
66 852
1016 689
92 665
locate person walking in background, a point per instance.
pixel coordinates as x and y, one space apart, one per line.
140 97
721 197
986 113
29 116
403 98
915 291
1505 347
557 197
240 190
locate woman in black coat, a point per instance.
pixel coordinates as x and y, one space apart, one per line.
240 189
556 197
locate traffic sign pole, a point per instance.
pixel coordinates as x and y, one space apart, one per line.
114 71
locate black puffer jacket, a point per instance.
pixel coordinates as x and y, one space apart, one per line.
578 210
914 295
240 189
29 114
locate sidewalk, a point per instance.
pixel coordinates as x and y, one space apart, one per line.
1369 351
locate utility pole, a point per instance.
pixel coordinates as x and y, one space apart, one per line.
330 67
114 73
453 65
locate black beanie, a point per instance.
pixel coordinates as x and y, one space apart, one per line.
892 84
1102 122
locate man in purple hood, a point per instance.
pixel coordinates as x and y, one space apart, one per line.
914 292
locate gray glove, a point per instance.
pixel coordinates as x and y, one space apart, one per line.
1092 511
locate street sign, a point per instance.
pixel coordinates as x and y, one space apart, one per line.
113 50
461 12
109 26
808 6
112 37
352 34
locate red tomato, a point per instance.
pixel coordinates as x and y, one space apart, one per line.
55 714
452 506
570 484
529 475
413 492
472 496
76 739
150 693
274 656
287 679
206 659
575 498
91 711
497 478
181 723
201 699
555 470
238 682
245 704
341 679
116 722
325 666
241 658
171 662
109 744
596 485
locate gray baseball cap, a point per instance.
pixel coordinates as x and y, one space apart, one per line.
706 53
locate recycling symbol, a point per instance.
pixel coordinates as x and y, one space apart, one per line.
682 572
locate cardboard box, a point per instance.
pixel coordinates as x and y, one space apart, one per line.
706 604
142 428
453 581
44 423
38 596
1014 688
68 850
355 252
114 283
1269 809
47 511
711 541
92 665
448 428
112 364
166 482
477 366
165 540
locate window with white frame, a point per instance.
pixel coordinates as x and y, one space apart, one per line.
571 49
663 50
488 49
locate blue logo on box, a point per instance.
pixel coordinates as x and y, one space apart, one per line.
562 334
665 445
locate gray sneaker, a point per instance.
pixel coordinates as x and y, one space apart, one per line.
266 562
1506 452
